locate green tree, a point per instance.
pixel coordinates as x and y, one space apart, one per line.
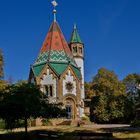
20 102
24 100
106 83
89 92
132 82
110 105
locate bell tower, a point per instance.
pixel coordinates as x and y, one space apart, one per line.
77 48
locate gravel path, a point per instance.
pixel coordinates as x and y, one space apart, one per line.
107 126
121 127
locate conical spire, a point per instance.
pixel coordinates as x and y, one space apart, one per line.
55 51
75 38
55 47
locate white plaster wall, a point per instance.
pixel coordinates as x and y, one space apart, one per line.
48 79
69 78
80 63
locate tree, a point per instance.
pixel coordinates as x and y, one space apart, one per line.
1 65
110 103
106 83
132 82
89 92
24 100
20 102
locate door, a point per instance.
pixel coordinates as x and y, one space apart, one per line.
69 111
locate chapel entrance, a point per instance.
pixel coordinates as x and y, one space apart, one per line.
69 111
70 108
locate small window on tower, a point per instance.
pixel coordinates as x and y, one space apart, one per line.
75 49
80 50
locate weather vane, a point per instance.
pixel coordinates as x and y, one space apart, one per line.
54 3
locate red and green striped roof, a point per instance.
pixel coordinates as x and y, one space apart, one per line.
55 52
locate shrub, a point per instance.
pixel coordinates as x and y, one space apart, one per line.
46 122
135 123
85 118
2 124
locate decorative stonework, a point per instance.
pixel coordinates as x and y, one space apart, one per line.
48 79
69 86
69 79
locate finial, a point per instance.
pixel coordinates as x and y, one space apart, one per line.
75 27
54 3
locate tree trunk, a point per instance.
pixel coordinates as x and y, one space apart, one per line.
26 125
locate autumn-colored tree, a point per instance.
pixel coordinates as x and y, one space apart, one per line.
106 82
110 103
89 92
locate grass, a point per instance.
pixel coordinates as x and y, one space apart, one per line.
128 135
67 133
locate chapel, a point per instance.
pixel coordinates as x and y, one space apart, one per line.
59 69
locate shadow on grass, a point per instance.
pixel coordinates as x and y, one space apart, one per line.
129 132
121 129
74 135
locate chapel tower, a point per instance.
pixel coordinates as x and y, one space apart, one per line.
77 48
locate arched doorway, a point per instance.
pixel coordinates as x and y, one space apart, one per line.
70 106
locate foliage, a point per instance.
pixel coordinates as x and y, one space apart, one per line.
132 81
85 118
106 83
46 122
110 103
89 92
3 86
2 124
135 123
1 65
22 101
111 109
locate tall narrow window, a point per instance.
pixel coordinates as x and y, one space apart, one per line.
51 91
47 90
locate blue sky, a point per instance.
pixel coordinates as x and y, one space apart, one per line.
110 30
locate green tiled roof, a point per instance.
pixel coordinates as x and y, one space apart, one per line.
59 68
77 71
75 38
37 69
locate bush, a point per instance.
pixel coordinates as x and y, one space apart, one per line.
46 122
135 123
84 121
2 124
